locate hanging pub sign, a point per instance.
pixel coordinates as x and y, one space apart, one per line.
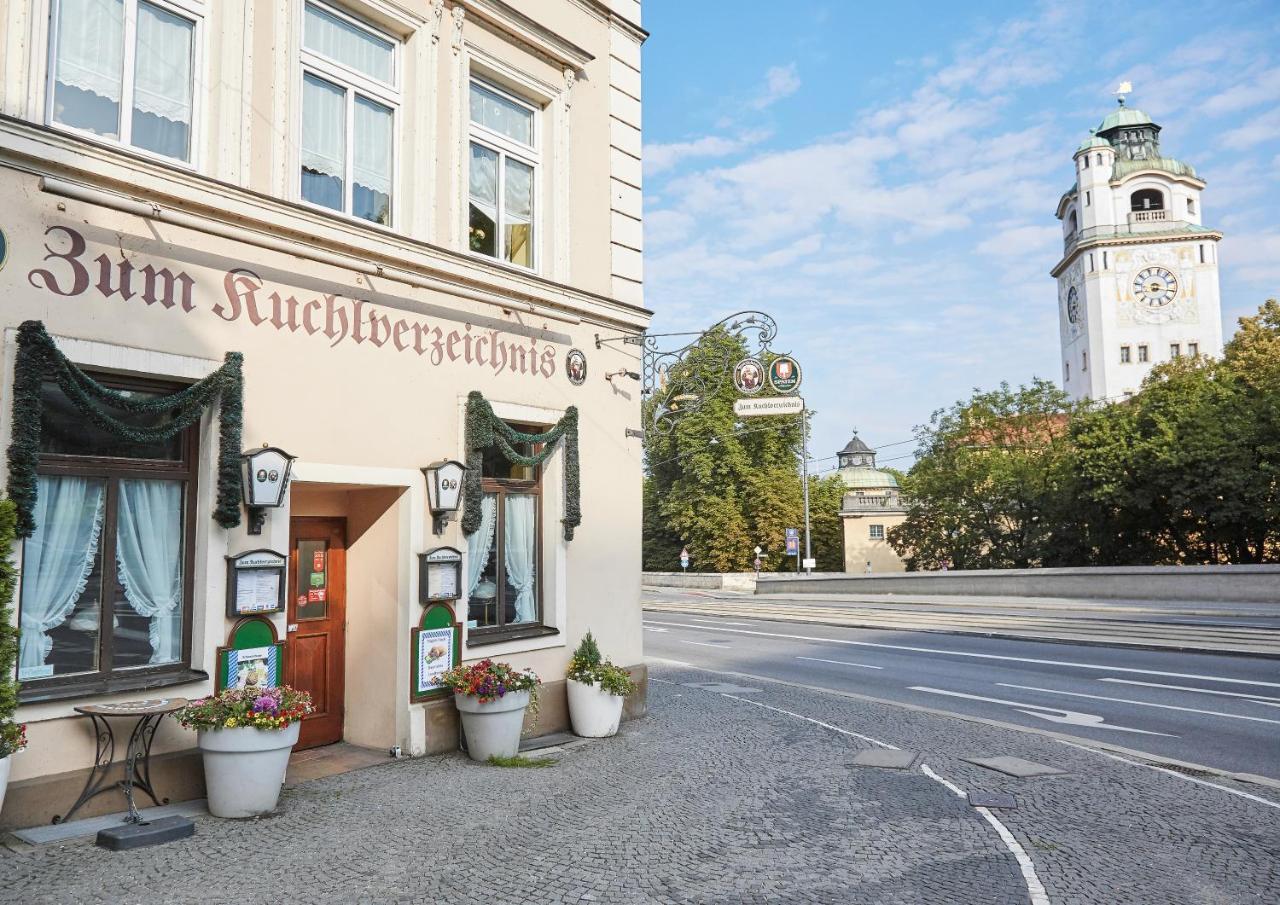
784 374
436 647
253 657
748 376
255 583
439 575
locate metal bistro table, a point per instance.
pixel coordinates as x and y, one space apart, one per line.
137 762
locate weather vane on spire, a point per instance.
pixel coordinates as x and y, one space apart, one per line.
1125 88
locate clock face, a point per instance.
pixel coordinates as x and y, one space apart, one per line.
1073 305
1155 287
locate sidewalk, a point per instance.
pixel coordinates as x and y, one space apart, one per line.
718 798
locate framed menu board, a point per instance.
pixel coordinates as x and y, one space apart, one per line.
436 647
439 575
255 583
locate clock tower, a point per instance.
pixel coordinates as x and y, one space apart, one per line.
1138 279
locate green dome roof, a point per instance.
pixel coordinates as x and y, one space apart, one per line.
863 478
1124 116
1093 141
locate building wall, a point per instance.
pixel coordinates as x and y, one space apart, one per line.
859 547
363 407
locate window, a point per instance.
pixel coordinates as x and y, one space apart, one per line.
1191 206
1143 355
106 576
1193 349
1104 260
877 532
1201 252
1090 262
1085 162
1099 159
1124 355
1084 361
349 103
123 70
1175 350
1147 200
1088 198
504 555
502 176
1066 368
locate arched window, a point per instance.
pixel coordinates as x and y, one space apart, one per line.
1074 223
1147 200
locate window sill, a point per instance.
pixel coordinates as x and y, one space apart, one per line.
98 686
480 639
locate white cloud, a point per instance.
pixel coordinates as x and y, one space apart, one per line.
1022 241
1258 129
1260 88
661 157
779 82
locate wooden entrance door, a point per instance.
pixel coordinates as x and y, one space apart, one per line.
315 660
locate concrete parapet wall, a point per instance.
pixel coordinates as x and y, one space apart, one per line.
1237 584
718 581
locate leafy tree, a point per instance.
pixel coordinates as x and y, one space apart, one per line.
826 496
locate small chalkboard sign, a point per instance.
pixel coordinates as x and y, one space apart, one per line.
256 583
439 575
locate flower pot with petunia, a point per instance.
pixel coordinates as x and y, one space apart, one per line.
492 699
13 739
597 690
245 736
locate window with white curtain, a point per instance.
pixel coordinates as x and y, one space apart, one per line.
124 70
105 589
502 176
350 96
503 561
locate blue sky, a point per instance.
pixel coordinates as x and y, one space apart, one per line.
882 178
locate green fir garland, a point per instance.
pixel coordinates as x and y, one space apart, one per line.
39 360
8 633
485 429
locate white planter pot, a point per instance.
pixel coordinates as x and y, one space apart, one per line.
244 768
493 729
593 712
4 777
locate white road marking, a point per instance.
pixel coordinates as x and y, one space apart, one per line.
1259 698
718 645
865 738
841 662
1035 888
654 628
719 622
1096 697
1266 703
1005 657
1196 780
1070 717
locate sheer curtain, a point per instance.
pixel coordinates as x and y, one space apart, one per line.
483 180
480 544
91 46
349 45
324 128
56 562
495 112
162 71
519 554
149 554
371 160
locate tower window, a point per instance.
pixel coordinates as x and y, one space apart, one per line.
1175 350
1143 354
1191 206
1124 355
1066 370
1085 159
1090 262
1104 260
1201 252
1088 198
1193 349
1084 361
1146 200
876 532
1099 160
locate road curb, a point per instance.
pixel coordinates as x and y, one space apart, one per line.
1251 779
1089 642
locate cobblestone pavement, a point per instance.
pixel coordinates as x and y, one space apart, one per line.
710 799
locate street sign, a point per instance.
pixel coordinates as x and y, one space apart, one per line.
793 546
758 564
768 405
809 564
684 558
793 532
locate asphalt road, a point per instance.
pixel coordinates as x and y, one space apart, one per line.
1219 711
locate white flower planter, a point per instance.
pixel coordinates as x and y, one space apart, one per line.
493 729
4 777
244 768
593 712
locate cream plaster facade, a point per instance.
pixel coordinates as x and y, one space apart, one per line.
360 341
1138 280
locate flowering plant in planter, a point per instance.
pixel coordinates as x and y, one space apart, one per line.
489 681
13 738
590 668
267 708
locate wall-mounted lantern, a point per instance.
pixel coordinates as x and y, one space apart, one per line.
444 490
264 482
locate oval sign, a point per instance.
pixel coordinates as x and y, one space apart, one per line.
784 374
748 376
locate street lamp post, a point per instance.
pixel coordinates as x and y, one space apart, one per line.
804 476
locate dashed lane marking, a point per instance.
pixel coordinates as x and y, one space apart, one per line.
841 662
1257 698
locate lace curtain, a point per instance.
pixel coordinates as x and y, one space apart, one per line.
162 70
324 128
480 544
149 556
519 554
371 164
91 46
482 181
56 562
493 111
